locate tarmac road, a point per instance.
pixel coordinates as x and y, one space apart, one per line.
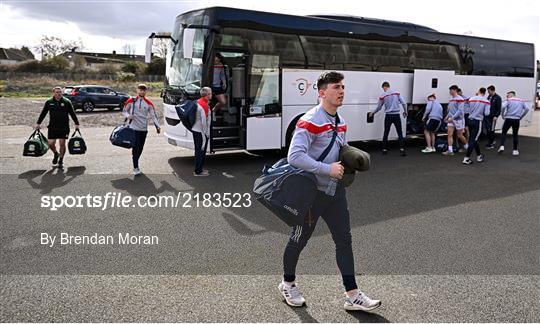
434 240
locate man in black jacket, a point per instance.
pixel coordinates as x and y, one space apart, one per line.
59 109
491 120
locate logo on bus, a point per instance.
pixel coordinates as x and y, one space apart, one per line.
303 85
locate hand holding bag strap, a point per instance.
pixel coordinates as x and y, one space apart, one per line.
332 141
75 132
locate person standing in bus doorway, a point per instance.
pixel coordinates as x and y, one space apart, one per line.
466 112
513 110
136 110
479 109
391 100
220 82
201 131
491 121
313 134
432 118
59 109
455 119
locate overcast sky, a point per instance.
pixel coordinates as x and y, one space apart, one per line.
105 26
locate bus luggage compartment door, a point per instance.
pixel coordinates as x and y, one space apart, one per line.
426 82
263 133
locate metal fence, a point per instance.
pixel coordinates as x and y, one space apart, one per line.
78 76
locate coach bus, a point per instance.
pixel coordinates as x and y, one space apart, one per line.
273 61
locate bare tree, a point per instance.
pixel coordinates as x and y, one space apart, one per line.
128 49
53 46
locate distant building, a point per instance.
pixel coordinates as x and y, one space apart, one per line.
94 61
15 55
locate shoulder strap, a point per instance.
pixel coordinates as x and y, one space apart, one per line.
332 141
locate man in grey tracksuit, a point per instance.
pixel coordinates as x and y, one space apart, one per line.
201 131
513 110
313 134
432 118
391 100
137 110
479 108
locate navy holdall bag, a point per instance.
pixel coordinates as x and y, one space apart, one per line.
289 192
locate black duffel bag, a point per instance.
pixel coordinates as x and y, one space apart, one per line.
36 145
289 192
76 144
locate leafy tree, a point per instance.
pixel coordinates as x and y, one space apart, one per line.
134 67
156 67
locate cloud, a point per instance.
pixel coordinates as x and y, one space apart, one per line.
120 19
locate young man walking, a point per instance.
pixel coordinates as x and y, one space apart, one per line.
391 100
313 134
491 121
201 131
59 110
432 118
513 110
479 109
455 119
136 110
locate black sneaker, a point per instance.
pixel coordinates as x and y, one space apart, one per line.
490 147
384 151
61 162
402 152
55 158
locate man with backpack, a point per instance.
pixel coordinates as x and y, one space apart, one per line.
59 110
136 110
201 131
315 148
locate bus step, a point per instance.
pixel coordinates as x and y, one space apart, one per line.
225 131
225 142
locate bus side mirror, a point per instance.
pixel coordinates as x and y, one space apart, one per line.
187 42
148 51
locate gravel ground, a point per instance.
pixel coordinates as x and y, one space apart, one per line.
17 111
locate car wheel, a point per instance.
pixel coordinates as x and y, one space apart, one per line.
88 106
110 108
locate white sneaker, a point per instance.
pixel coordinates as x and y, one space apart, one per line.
515 152
480 158
467 161
501 149
136 171
291 294
361 302
427 150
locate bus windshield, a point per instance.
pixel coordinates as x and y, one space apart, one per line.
186 73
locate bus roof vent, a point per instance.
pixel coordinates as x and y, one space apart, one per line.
375 21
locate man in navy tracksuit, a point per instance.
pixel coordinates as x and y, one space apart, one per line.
491 121
391 100
478 110
313 134
513 110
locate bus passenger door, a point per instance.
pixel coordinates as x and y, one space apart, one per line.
227 123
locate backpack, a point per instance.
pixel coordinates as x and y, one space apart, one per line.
76 144
289 192
187 112
36 145
441 144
